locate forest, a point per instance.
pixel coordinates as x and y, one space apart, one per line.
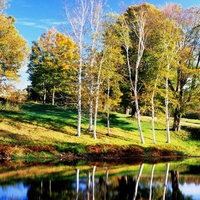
143 62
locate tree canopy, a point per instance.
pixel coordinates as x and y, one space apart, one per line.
13 51
52 69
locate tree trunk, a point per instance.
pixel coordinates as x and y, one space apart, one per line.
153 111
44 94
90 107
139 29
93 183
134 89
53 96
79 99
97 99
133 110
136 100
153 118
50 190
96 8
166 180
167 105
137 181
106 184
96 112
78 28
108 109
77 183
175 185
151 181
177 120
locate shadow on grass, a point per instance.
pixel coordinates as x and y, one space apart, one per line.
52 117
194 132
10 138
116 121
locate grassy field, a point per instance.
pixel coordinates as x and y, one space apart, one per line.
41 131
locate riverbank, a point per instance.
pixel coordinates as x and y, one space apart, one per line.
48 132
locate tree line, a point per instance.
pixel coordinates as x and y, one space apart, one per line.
145 59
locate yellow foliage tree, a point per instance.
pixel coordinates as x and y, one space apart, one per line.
52 66
13 51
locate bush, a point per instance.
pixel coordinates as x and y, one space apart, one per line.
9 106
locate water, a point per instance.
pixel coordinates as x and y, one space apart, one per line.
96 181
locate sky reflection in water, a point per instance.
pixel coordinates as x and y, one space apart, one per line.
18 191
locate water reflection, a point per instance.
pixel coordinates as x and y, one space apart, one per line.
126 182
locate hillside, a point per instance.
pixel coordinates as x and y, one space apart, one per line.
38 131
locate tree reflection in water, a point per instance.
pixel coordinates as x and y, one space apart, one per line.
95 184
151 181
166 179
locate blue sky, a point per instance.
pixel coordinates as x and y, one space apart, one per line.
34 17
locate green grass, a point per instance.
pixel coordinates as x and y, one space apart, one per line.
38 130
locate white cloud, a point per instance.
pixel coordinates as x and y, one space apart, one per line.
41 23
26 23
41 26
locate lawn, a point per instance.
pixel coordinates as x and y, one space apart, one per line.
43 131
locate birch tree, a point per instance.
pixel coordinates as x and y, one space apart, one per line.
166 180
135 21
95 31
151 75
151 181
77 14
137 181
108 63
98 83
138 28
112 63
170 49
186 84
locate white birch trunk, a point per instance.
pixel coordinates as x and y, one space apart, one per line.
93 183
108 108
95 22
153 112
77 19
153 118
141 36
53 96
134 88
140 33
97 99
90 106
77 183
166 180
79 98
151 181
44 93
137 181
167 105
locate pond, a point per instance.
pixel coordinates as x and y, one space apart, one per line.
96 181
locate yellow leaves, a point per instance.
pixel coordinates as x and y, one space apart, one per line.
66 67
55 52
11 75
13 48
